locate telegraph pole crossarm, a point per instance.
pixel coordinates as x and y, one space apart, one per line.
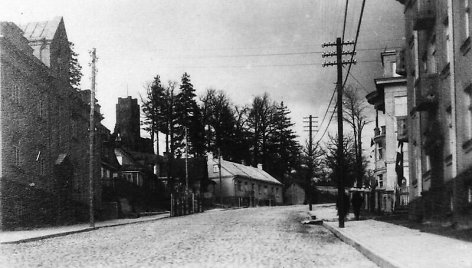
339 85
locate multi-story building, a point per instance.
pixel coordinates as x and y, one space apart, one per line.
390 154
44 156
438 69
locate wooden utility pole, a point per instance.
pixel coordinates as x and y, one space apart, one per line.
219 171
186 161
339 87
91 140
309 188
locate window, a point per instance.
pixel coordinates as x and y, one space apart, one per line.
42 169
380 180
394 69
415 54
74 129
16 149
238 185
468 114
450 130
466 18
215 168
401 106
427 163
15 93
469 194
431 58
380 151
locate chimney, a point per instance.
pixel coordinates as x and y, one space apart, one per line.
243 162
259 166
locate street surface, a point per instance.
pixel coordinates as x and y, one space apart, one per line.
252 237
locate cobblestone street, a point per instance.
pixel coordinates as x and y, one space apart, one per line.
254 237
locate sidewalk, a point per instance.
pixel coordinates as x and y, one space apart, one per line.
390 245
13 237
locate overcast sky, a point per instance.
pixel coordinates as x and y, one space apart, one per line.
244 47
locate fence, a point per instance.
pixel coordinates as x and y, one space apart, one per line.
184 204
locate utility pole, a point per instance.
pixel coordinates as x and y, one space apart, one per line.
309 189
91 140
339 85
219 171
186 160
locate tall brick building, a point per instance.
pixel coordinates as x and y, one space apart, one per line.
44 148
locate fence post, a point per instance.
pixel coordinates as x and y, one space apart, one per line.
171 206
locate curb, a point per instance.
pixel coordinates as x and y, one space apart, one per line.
366 251
88 229
26 240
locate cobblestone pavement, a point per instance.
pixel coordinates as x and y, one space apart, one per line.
253 237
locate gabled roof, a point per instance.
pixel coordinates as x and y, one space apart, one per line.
241 170
41 30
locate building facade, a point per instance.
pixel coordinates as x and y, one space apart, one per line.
390 150
243 185
438 65
44 129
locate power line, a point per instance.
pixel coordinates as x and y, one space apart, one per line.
264 54
329 123
327 108
250 66
355 41
345 18
362 86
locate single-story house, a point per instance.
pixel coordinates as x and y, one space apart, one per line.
243 185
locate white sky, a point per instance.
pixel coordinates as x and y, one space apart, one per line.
221 44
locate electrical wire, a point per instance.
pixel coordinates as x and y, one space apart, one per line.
345 19
355 42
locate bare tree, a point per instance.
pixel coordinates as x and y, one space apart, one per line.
355 114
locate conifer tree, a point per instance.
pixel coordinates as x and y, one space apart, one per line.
154 109
75 69
188 116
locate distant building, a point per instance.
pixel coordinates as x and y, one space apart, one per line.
128 180
243 185
128 126
294 194
44 154
390 134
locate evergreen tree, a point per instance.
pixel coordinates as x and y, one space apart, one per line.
75 69
283 148
188 115
154 109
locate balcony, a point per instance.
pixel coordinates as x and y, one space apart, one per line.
424 14
426 94
379 136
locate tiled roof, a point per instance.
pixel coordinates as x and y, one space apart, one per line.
247 171
41 30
